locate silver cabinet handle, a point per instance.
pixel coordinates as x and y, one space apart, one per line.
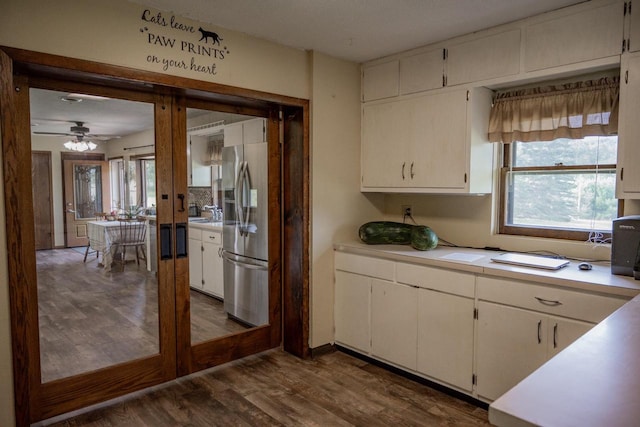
555 336
539 331
548 301
403 164
411 171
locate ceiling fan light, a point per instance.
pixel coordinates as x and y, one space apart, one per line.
91 145
80 146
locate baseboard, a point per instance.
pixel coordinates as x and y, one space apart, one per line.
322 350
442 388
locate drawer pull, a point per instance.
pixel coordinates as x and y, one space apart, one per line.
552 303
539 331
555 336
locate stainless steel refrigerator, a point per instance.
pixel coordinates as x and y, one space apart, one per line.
245 234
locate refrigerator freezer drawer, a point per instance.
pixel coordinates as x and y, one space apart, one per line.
246 289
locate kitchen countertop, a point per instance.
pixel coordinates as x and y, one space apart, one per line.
209 226
592 382
599 279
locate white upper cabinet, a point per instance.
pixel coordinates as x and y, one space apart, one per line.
432 143
246 132
484 58
380 81
632 43
582 36
254 131
628 176
422 72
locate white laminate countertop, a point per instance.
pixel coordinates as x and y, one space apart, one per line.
209 226
593 382
599 279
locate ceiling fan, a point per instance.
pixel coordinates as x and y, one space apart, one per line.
80 131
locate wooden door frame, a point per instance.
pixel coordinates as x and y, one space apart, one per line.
294 259
50 220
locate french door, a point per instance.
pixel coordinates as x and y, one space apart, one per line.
88 324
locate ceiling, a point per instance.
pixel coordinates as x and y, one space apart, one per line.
356 30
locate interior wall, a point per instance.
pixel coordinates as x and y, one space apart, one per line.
54 145
115 32
471 221
338 208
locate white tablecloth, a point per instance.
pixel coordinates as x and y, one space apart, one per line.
102 236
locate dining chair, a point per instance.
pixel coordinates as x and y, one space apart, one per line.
132 235
100 216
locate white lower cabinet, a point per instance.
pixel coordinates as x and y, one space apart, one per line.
394 311
351 311
521 325
445 338
205 261
455 327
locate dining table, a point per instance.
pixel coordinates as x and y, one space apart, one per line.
103 236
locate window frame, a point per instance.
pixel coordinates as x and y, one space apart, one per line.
539 231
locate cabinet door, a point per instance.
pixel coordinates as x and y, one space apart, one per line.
511 344
437 134
628 183
212 269
352 302
380 81
394 313
253 131
562 332
633 41
421 72
485 58
233 134
384 144
591 34
200 168
195 263
445 337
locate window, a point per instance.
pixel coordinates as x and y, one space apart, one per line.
559 164
563 188
133 183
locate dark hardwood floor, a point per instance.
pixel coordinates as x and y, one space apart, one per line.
277 389
91 318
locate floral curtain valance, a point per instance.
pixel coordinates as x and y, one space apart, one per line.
573 110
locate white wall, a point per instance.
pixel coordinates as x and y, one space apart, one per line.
338 208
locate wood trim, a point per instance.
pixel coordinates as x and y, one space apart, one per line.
164 214
295 294
14 189
57 66
48 175
183 299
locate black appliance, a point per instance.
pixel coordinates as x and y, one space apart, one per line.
625 246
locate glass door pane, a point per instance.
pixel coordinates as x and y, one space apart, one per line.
97 292
217 307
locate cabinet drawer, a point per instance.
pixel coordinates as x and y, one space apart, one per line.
195 233
212 237
546 299
364 265
448 281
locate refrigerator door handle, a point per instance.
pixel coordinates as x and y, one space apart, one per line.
238 197
247 181
242 264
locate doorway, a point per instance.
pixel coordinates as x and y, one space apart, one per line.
174 353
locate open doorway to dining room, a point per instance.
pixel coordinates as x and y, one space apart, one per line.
105 316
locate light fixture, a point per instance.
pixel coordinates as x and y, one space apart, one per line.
80 145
